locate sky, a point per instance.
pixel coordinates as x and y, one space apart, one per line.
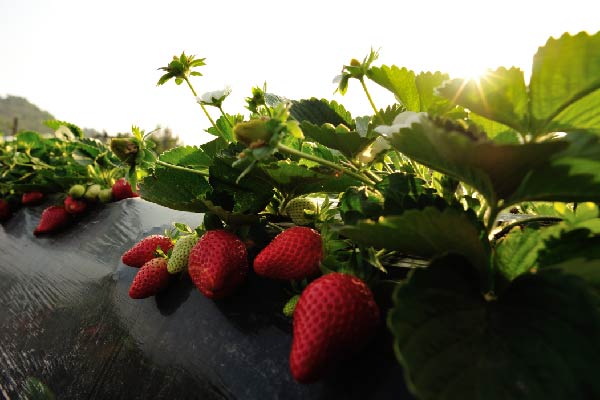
95 64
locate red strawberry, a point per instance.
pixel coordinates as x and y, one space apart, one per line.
294 254
334 318
144 250
75 206
53 218
32 198
218 263
122 190
4 210
152 278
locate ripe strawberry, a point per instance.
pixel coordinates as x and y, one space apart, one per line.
218 263
294 254
75 206
334 318
295 209
144 250
32 198
150 279
122 190
4 210
53 218
178 260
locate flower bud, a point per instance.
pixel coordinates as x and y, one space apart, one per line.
125 149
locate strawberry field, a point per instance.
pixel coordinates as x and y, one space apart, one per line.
444 247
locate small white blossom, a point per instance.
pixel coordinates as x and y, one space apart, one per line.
337 79
402 120
380 144
214 98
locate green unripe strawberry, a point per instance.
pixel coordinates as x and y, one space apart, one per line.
178 260
105 195
77 191
341 128
252 132
297 209
290 306
92 192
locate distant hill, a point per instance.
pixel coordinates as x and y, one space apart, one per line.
29 116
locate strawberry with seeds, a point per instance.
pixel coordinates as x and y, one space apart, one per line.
295 253
151 279
335 317
32 198
75 206
53 218
218 263
145 250
122 190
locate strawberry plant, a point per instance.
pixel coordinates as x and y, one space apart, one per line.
463 218
474 200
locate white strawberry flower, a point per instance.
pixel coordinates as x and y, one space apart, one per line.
214 98
402 120
380 144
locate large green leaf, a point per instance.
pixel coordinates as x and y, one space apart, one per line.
572 175
500 95
565 84
187 156
350 143
428 233
176 189
576 243
495 170
321 111
539 340
415 92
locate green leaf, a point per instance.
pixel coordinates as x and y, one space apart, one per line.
495 131
517 253
572 175
499 95
415 92
319 112
576 243
404 191
427 233
249 195
294 178
539 340
565 85
178 190
187 156
358 203
349 143
225 129
495 170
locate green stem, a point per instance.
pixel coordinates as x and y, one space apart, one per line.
360 177
364 86
507 228
204 108
226 117
180 168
